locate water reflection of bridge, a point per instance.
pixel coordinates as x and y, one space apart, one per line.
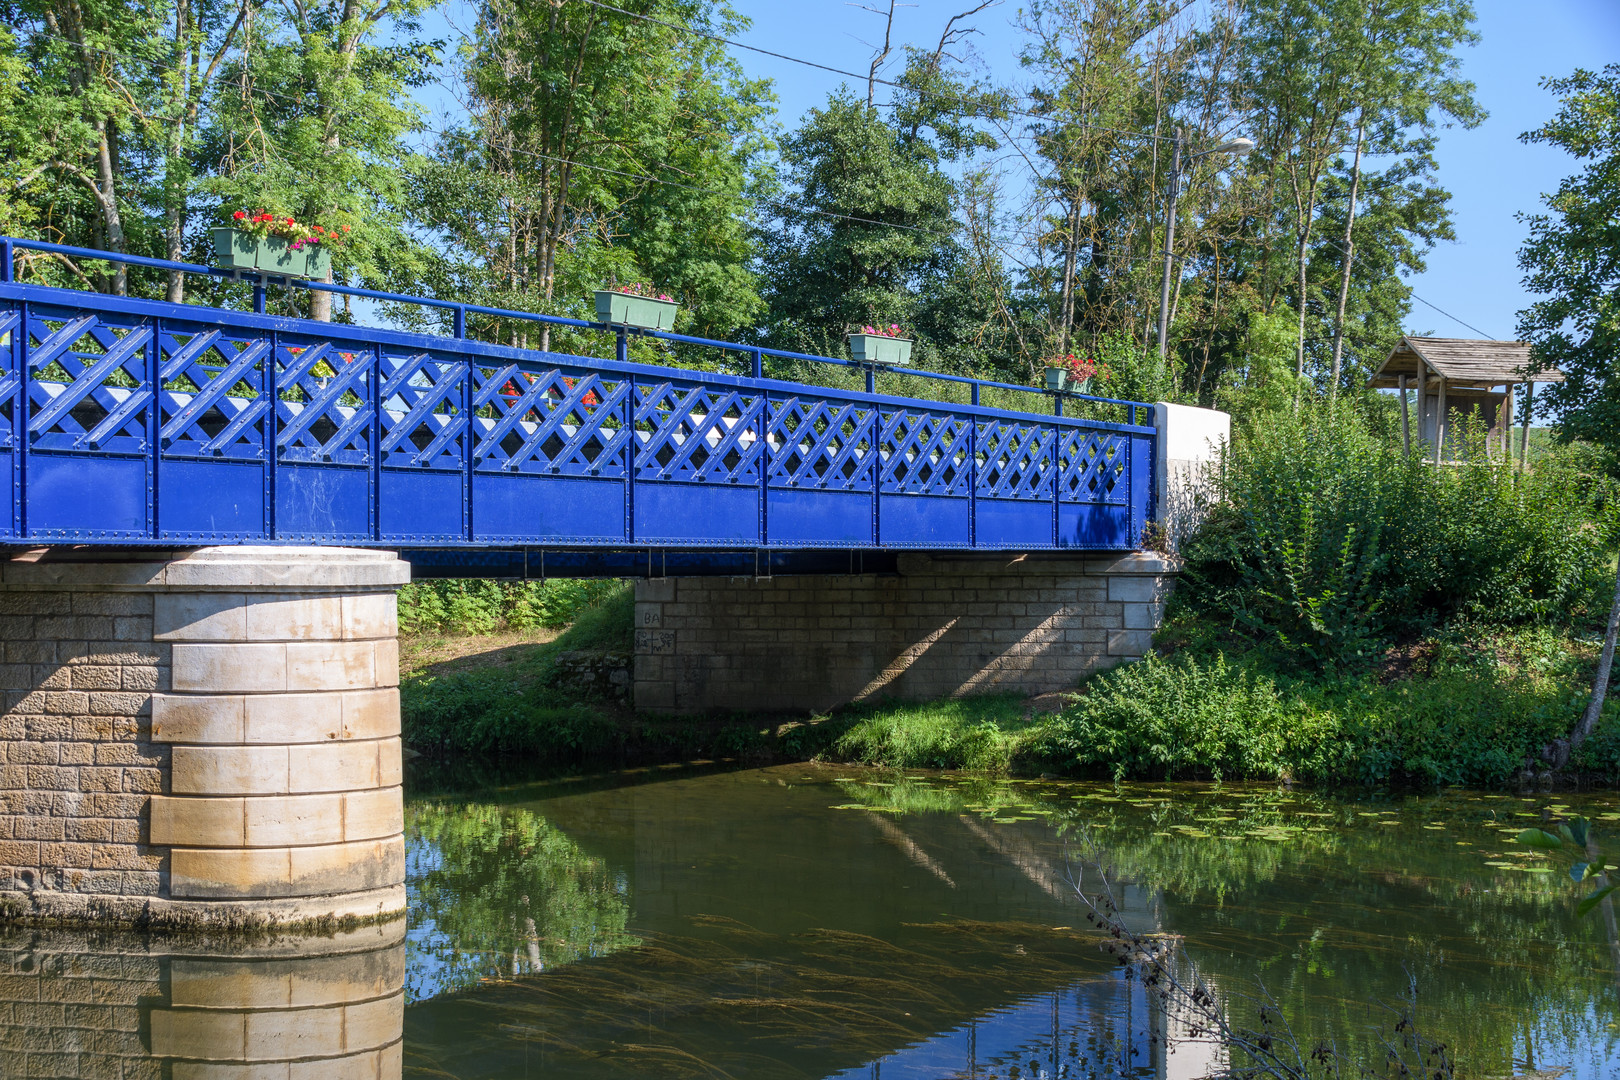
936 946
929 945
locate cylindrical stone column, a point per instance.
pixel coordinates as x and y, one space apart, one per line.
212 738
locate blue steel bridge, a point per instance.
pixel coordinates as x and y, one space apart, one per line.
141 423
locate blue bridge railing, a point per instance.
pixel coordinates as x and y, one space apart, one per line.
136 422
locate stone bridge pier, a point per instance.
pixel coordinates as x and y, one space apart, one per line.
205 737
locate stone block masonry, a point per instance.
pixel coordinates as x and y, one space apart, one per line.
943 627
205 737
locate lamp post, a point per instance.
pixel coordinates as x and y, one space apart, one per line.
1237 148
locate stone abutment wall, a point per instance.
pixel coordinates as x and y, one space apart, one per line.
943 627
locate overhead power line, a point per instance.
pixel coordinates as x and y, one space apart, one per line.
994 242
694 31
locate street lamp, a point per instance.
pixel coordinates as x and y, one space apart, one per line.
1236 148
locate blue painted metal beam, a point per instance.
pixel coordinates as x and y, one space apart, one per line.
134 422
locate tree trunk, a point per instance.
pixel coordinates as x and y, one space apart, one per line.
1558 753
1070 256
1349 254
1305 224
105 175
174 171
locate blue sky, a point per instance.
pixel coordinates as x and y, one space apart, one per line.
1490 174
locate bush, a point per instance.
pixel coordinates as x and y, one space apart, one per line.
457 606
1176 718
1470 716
516 708
1332 543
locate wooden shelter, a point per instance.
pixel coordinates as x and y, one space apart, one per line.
1457 377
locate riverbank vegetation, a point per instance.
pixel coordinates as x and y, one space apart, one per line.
1347 615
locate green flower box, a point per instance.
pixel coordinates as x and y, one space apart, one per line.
238 250
1060 380
276 256
878 349
628 309
235 249
317 262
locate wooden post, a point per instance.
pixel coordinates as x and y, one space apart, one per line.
1440 419
1422 396
1406 421
1506 420
1524 436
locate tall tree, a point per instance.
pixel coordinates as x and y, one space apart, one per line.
1572 261
601 147
81 120
313 122
1402 84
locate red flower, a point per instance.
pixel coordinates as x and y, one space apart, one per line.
239 215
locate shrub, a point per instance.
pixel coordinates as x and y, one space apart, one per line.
1180 717
1332 543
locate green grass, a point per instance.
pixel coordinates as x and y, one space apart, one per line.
518 708
980 733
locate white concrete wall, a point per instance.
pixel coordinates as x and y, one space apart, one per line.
1190 439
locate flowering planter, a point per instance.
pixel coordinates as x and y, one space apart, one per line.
1061 380
317 262
235 250
879 349
628 309
238 250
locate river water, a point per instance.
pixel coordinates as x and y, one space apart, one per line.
805 921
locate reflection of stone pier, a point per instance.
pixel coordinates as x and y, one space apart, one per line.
87 1006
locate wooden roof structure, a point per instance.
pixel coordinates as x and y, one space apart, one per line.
1462 362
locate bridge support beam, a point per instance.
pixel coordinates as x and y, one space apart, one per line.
208 737
942 627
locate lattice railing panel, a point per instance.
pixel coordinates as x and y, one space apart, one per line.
1092 467
324 400
212 405
10 374
1014 460
424 416
924 453
821 445
549 422
696 433
87 387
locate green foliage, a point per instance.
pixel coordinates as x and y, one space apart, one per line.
1333 544
1577 841
1572 259
1468 713
572 108
517 707
472 606
499 891
1180 718
828 273
979 733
